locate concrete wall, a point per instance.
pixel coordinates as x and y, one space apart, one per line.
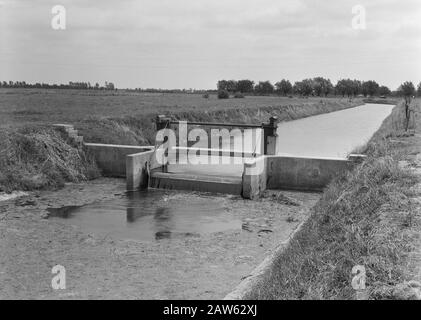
137 170
254 178
296 173
292 173
111 159
264 172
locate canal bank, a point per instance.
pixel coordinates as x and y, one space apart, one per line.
368 218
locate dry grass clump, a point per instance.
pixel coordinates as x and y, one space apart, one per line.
35 158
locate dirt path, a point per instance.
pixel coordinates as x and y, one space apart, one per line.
98 267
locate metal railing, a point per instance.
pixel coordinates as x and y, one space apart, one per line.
269 130
163 122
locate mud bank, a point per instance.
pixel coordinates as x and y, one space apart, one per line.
99 266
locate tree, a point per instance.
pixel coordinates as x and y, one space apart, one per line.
284 87
304 88
341 87
370 88
356 87
327 87
221 85
264 87
231 85
245 86
227 85
109 85
407 90
317 85
419 90
348 87
321 86
384 91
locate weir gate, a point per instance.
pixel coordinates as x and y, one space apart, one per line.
246 163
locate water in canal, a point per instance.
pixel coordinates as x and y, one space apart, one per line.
333 134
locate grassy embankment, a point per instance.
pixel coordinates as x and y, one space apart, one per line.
364 218
140 129
33 156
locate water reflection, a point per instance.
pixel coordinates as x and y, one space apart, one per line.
151 215
163 222
66 212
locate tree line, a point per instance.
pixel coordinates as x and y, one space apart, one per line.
317 86
70 85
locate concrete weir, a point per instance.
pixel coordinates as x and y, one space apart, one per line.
267 171
202 183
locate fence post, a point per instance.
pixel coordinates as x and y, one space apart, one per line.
162 122
270 136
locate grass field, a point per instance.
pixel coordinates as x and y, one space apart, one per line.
37 106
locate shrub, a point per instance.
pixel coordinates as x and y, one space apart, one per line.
206 96
238 95
223 94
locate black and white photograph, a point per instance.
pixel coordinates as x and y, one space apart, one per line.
208 154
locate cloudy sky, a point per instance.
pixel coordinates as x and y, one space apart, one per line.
193 43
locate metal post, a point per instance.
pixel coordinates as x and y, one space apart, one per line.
162 122
270 134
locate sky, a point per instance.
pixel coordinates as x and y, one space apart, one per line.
195 43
